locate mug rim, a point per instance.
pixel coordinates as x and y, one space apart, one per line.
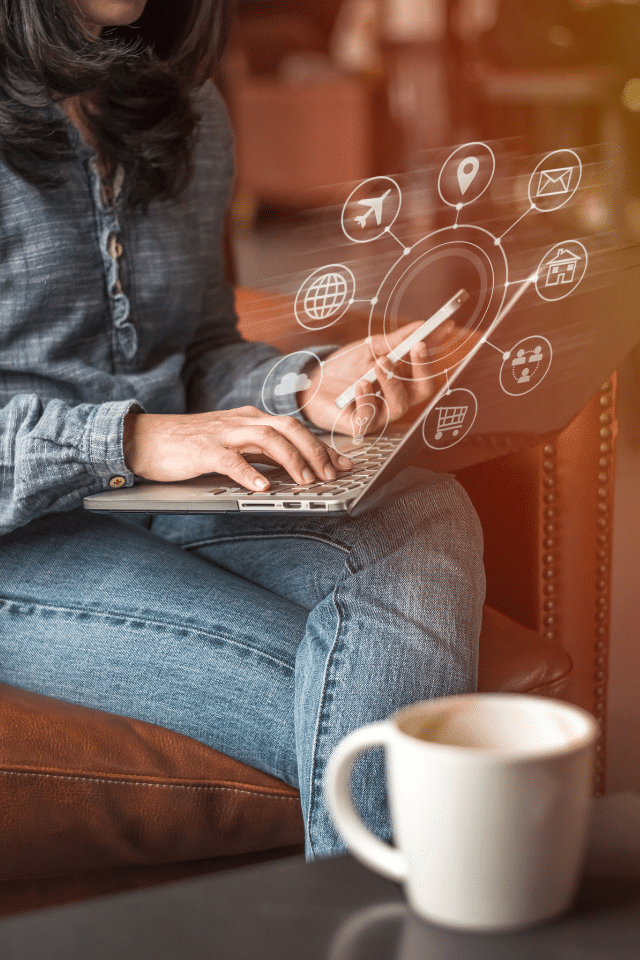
502 754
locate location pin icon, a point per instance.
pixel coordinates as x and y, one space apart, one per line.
467 170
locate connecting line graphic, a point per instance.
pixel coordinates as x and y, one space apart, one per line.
525 284
499 239
397 240
489 344
342 353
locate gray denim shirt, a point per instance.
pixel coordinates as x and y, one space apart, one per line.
103 311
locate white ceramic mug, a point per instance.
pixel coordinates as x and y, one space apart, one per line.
489 795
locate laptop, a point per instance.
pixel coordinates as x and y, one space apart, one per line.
526 372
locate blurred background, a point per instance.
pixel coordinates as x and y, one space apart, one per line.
325 93
329 92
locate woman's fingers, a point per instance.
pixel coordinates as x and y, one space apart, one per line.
374 409
308 452
420 386
286 441
266 439
234 466
392 388
413 374
175 447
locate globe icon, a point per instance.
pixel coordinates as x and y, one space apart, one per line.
325 296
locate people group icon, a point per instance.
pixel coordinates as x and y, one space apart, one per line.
526 365
522 373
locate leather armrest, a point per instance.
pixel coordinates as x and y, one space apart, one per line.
81 789
514 659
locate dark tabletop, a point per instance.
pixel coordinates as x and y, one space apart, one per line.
336 909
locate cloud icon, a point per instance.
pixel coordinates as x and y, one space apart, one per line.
291 383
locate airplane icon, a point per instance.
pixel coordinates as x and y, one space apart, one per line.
375 206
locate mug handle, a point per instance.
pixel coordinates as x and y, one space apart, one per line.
364 845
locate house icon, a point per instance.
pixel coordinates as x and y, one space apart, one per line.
562 268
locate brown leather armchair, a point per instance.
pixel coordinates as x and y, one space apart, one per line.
92 803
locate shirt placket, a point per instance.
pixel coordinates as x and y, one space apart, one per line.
125 339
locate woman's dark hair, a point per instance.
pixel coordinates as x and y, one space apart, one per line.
140 79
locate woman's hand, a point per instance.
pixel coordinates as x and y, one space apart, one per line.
396 393
180 446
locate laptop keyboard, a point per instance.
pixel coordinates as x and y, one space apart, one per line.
366 464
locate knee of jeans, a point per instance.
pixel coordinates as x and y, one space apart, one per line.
441 506
466 515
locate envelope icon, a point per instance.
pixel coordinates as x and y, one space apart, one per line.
554 181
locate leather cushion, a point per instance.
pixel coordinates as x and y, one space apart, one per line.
81 789
514 659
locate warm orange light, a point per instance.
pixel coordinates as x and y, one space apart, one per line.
631 94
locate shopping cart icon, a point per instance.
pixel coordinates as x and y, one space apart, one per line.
450 419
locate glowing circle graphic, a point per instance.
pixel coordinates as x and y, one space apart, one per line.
357 423
416 286
526 365
419 296
451 419
466 174
561 270
555 180
325 296
282 382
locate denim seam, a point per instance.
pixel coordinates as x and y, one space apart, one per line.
323 703
108 615
292 535
145 783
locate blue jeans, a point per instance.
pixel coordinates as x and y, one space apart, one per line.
269 638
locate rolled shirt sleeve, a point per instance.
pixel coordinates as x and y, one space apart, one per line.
53 454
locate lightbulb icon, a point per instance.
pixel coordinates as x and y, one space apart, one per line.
360 417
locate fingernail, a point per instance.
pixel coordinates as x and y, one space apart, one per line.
308 475
445 330
262 484
330 473
345 462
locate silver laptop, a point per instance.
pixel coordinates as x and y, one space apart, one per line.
540 364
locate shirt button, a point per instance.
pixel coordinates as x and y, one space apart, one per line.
117 482
114 247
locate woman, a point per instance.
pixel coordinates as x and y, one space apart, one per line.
268 639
